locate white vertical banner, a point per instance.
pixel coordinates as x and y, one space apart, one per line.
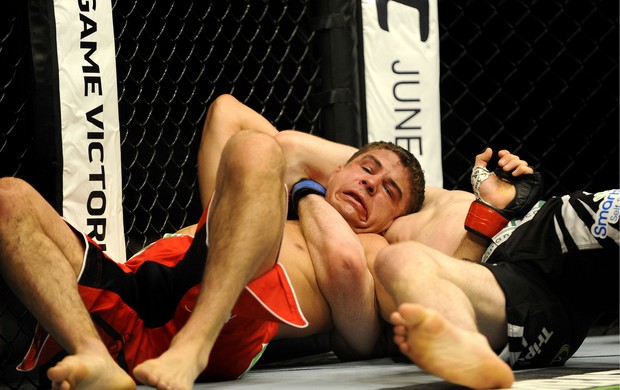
401 65
92 185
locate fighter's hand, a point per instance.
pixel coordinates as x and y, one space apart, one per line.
490 188
512 164
509 192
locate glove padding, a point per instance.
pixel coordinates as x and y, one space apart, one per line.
529 190
305 187
486 220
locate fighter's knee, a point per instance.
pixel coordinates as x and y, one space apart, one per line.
394 259
253 152
388 261
12 191
11 186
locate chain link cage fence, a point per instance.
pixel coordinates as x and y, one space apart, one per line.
539 78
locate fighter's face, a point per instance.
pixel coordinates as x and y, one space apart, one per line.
371 191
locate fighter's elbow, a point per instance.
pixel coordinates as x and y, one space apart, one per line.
289 140
348 267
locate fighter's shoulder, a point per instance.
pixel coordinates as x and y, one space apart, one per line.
437 198
372 241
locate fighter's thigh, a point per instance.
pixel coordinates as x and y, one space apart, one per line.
50 223
412 261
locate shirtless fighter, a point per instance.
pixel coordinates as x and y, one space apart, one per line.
62 313
146 305
543 281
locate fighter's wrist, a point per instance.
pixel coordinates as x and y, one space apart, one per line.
484 220
303 188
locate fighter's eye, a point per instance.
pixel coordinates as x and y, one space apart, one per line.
388 190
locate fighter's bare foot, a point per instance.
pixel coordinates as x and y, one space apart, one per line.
83 371
171 371
454 354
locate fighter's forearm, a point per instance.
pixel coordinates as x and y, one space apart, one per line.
472 247
311 157
342 274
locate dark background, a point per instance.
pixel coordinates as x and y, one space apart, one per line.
539 78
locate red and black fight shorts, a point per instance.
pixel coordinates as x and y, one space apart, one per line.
138 307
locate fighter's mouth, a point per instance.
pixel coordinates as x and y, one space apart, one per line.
358 202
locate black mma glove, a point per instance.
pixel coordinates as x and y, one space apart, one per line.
529 190
485 220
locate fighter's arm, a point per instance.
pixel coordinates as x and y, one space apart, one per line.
343 277
307 156
312 157
226 117
494 191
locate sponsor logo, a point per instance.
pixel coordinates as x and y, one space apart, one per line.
535 348
608 212
507 231
420 5
561 356
93 92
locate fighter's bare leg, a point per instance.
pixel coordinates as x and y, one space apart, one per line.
245 229
40 258
450 314
226 117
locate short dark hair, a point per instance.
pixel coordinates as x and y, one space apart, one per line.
411 164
